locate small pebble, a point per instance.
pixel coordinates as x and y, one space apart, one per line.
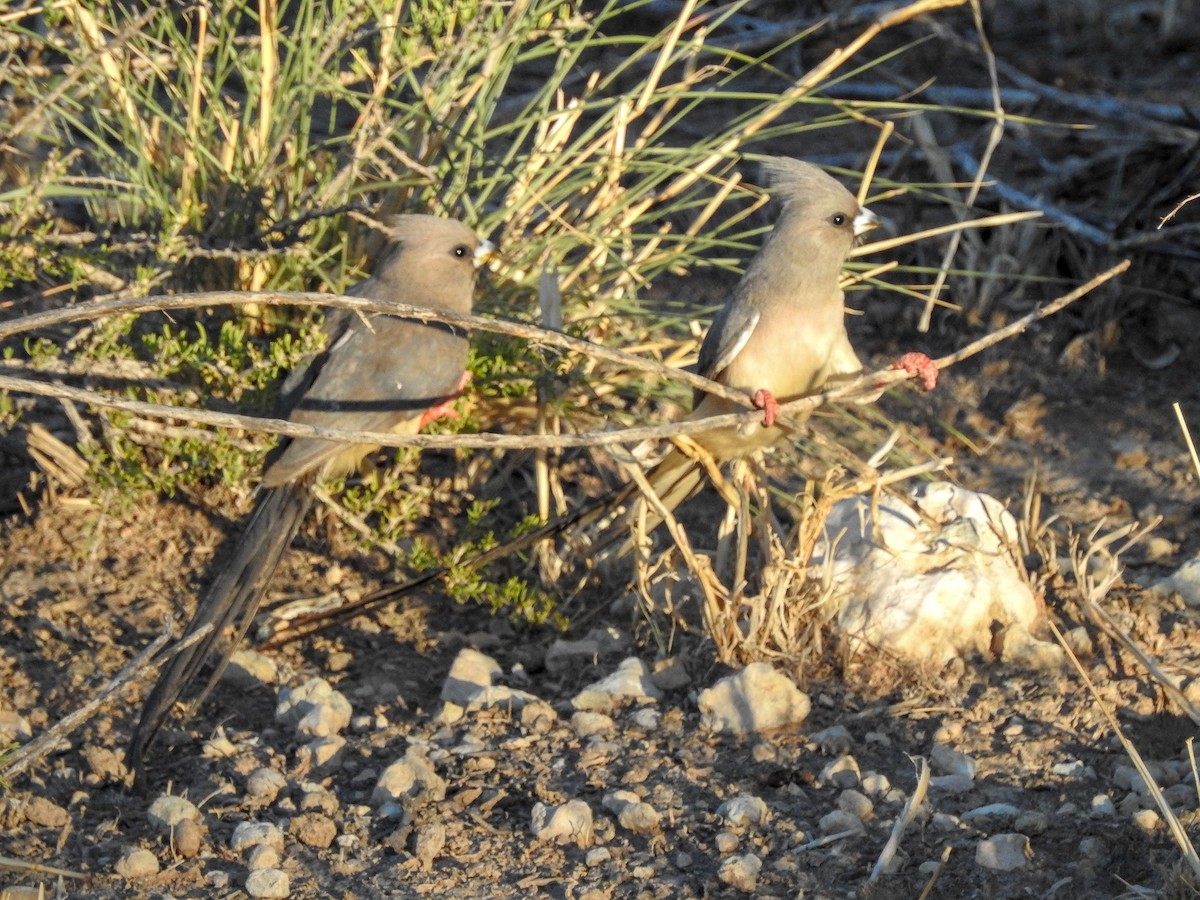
167 811
188 839
410 779
247 834
1102 805
631 679
1031 823
263 785
262 856
743 810
571 822
726 842
839 820
268 883
587 724
1003 852
741 872
428 843
1146 821
842 772
597 857
856 804
875 785
944 761
135 863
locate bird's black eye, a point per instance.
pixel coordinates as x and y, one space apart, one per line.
839 220
462 251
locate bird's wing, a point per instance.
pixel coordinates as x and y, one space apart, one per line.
728 334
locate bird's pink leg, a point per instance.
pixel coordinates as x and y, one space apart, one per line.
766 401
445 409
921 365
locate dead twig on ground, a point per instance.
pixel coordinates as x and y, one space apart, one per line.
140 664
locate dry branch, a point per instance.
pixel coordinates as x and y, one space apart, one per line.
861 387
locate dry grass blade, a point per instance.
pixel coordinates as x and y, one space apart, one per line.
911 808
1182 841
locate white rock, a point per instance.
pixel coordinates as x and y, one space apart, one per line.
1073 770
1004 852
1185 582
322 754
945 822
166 812
842 772
632 813
833 740
839 820
1146 821
250 834
136 862
249 669
757 698
945 761
262 856
875 784
569 823
743 810
856 804
927 591
631 679
647 718
296 703
264 784
470 684
410 781
952 784
597 856
1102 805
14 728
587 724
1019 648
269 884
741 872
992 811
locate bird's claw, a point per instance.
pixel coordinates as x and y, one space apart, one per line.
765 400
920 365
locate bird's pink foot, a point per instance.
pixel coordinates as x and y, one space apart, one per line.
445 409
766 401
920 365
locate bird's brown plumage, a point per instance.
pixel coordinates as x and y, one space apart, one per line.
783 329
376 373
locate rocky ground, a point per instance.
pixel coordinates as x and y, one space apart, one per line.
432 749
444 751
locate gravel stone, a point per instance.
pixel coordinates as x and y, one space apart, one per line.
570 822
313 829
856 804
726 842
41 812
945 761
758 698
743 810
269 884
263 785
296 704
741 872
250 834
1003 852
842 772
839 820
631 679
410 780
188 839
587 724
168 811
135 863
262 856
632 814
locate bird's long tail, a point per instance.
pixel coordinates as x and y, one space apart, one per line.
675 480
229 603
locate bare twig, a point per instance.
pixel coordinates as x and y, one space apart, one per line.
911 808
860 387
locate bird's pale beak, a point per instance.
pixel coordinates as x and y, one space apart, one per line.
865 221
484 252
